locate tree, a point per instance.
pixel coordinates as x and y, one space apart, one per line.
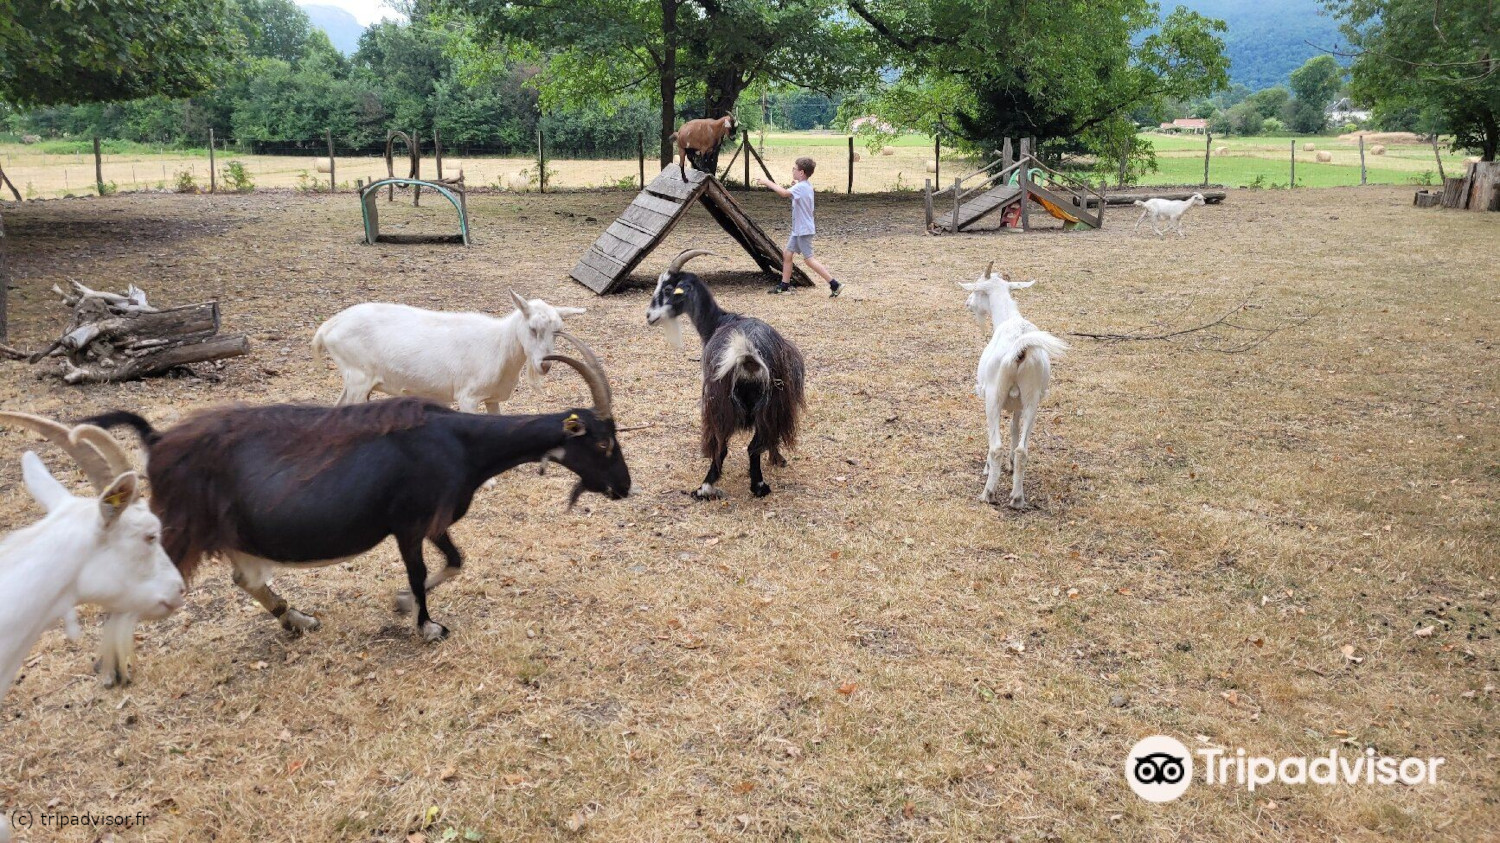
1411 54
1069 74
1318 80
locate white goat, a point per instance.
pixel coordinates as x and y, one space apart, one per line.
1170 210
104 551
470 358
1013 375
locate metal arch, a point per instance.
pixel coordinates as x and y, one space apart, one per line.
372 225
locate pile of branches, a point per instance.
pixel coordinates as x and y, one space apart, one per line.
113 337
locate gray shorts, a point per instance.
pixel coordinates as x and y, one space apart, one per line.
800 244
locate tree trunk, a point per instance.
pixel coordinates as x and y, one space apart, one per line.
4 288
724 86
668 79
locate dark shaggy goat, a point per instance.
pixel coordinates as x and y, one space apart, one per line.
300 486
752 376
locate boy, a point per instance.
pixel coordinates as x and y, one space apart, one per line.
802 228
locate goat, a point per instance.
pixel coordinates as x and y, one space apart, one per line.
1169 209
286 486
470 358
752 376
104 551
700 136
1014 372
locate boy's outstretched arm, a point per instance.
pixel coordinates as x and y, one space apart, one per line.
780 191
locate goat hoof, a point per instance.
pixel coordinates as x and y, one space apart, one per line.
1018 502
760 490
708 492
405 603
297 622
434 631
115 679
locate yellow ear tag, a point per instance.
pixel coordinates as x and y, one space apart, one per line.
572 417
677 292
118 498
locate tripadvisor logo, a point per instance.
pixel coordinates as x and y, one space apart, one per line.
1159 769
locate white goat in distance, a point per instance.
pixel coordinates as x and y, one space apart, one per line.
105 551
471 358
1170 210
1013 375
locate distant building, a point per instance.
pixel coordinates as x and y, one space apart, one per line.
1344 111
1196 125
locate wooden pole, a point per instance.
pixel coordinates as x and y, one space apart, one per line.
1293 182
851 165
1442 177
937 167
927 202
4 287
1024 181
541 162
213 172
1362 160
416 167
1006 155
747 148
1208 149
333 182
640 152
437 151
98 167
957 188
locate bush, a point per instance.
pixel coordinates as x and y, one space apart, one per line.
237 177
1272 126
108 189
186 183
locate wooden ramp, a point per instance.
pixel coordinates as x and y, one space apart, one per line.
979 207
653 215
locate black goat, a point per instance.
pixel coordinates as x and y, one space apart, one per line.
752 376
301 486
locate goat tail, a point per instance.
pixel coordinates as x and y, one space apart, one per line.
672 138
125 418
320 341
1038 340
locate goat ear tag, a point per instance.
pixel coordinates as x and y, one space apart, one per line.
574 425
118 499
678 292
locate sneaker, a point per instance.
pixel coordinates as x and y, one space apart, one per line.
834 288
779 289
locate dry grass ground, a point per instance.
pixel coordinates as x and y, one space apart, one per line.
868 653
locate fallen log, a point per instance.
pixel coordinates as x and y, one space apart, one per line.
1211 197
152 361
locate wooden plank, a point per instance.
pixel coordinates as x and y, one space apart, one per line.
665 207
669 184
601 261
716 198
621 250
591 277
631 235
647 220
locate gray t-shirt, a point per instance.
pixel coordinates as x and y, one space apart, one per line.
802 209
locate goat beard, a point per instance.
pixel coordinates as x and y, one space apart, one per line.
671 327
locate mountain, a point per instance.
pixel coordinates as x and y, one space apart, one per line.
1268 39
343 29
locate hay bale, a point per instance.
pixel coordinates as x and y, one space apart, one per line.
889 150
323 165
1377 149
517 183
931 166
1325 157
1221 150
1309 147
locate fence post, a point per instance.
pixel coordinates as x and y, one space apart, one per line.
640 152
98 167
416 167
1208 149
957 186
747 156
1442 177
1361 160
937 167
1024 182
4 286
1293 181
851 165
333 181
541 161
213 173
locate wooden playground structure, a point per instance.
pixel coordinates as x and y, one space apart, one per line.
1000 187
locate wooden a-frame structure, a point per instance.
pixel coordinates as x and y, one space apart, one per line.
653 215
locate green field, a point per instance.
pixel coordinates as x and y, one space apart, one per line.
1180 161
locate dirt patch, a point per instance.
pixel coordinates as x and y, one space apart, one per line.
868 653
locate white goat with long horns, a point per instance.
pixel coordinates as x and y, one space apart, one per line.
104 551
1014 372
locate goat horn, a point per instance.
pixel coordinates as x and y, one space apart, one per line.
989 270
108 447
685 256
593 373
94 464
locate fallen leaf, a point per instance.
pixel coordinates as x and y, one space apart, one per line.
416 837
514 779
258 666
744 787
1341 733
908 810
1425 632
848 688
1072 594
1259 642
449 773
294 766
1348 651
674 623
1125 591
1232 697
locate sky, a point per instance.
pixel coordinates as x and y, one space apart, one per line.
366 12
